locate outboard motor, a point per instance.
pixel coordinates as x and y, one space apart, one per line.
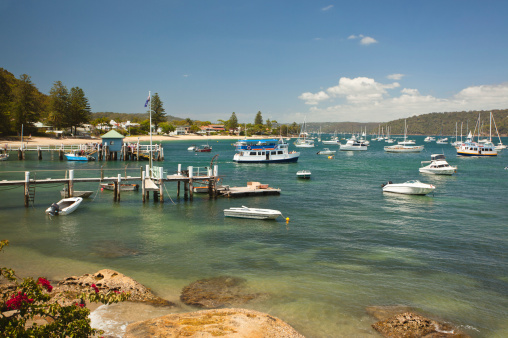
389 182
54 209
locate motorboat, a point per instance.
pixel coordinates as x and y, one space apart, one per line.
264 151
413 187
79 156
303 174
429 139
203 149
123 187
64 206
443 140
191 148
254 213
353 144
437 166
326 151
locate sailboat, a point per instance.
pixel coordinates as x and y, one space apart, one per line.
500 145
303 141
404 147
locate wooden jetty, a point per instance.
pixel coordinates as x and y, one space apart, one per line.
128 152
152 179
252 189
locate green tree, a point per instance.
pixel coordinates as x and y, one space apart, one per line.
189 121
5 101
167 127
58 105
258 119
26 107
79 109
233 122
158 114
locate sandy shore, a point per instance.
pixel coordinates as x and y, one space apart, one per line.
40 141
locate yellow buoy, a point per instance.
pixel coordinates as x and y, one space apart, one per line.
287 220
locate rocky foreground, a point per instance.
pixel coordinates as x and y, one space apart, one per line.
222 296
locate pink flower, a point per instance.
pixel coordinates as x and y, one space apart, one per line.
45 283
17 301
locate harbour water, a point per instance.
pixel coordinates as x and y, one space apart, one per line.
347 246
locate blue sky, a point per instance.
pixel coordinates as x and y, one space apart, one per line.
365 61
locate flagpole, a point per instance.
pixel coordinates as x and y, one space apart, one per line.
150 96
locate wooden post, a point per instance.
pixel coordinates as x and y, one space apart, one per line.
191 175
27 185
71 183
178 184
20 154
161 184
210 182
39 153
137 151
162 152
115 191
102 172
61 154
118 186
143 184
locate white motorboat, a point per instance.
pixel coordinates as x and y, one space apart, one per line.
438 166
443 140
64 206
429 139
303 174
191 148
254 213
413 187
353 144
326 151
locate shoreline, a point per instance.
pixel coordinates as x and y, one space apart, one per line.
40 141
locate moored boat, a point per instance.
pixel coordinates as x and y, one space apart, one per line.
203 149
76 193
353 144
326 151
79 156
64 206
264 151
4 157
438 166
303 174
254 213
413 187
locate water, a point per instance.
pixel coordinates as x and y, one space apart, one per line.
347 245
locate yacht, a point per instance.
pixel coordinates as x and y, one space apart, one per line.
413 187
264 151
303 141
406 146
443 140
429 139
437 166
353 144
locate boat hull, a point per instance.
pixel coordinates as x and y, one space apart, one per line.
79 158
409 189
403 149
252 213
446 171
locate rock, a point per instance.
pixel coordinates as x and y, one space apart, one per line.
108 280
211 323
410 325
385 312
216 292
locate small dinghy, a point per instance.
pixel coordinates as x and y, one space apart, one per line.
303 174
245 212
64 206
123 187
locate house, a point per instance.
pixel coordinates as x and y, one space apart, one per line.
211 128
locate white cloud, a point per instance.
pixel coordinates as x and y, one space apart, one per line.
310 98
367 40
364 40
363 99
324 9
395 77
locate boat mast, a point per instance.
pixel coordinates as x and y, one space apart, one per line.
150 108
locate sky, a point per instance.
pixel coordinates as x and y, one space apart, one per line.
323 61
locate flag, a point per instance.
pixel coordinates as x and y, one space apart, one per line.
147 100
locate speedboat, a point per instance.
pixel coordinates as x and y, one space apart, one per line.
245 212
443 140
203 149
429 139
78 157
191 148
64 206
303 174
326 151
413 187
438 166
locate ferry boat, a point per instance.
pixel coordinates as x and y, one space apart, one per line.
471 148
264 151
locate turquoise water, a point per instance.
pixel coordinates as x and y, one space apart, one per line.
347 245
